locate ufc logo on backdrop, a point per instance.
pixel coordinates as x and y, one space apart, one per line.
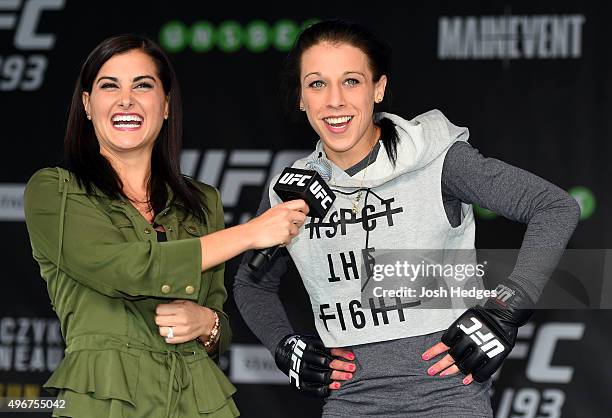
24 71
487 342
26 24
235 171
296 361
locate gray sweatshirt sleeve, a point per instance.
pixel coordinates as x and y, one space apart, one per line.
256 294
550 213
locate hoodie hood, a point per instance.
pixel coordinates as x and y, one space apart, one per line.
421 140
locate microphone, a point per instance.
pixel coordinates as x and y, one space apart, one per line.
309 185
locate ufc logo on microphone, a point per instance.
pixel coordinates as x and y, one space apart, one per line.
487 342
296 361
291 178
320 194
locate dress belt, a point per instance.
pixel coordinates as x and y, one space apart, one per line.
180 377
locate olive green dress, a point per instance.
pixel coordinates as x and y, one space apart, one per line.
106 273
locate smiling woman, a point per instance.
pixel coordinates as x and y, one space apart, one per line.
418 178
126 105
338 96
133 252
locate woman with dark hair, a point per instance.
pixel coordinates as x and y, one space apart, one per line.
133 252
399 184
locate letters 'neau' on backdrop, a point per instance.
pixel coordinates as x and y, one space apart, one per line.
531 82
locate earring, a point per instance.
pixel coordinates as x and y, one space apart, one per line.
302 108
88 116
166 117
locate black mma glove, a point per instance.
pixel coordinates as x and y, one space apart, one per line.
482 337
306 361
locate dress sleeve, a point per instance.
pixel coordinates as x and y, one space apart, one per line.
71 228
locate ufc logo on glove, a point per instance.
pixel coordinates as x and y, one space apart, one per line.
486 342
305 360
296 361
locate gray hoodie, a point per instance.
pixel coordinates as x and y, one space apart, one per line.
401 209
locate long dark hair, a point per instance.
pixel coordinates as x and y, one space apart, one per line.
81 148
341 31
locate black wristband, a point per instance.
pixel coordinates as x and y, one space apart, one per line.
512 304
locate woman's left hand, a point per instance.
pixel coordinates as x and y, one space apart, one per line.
187 319
446 365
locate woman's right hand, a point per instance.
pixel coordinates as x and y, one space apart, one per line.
278 225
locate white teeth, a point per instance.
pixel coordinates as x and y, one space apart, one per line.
127 118
126 125
337 121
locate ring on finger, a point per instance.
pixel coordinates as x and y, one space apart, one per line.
170 333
